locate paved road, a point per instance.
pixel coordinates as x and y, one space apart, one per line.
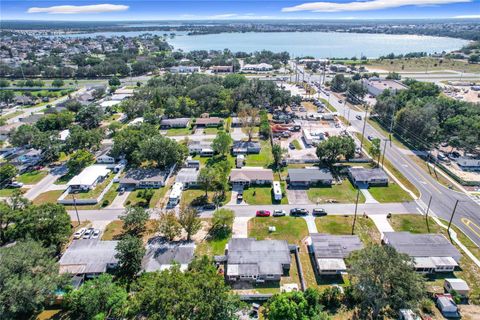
44 184
467 216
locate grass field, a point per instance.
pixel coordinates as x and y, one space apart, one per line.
210 130
133 198
392 193
342 225
114 230
48 197
190 195
179 132
263 159
292 229
7 192
258 195
32 177
341 193
297 145
423 64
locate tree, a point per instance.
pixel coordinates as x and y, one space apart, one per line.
89 116
356 91
249 120
335 147
114 82
99 298
222 222
383 279
4 83
169 225
28 279
58 83
7 173
375 149
394 76
339 83
277 152
295 306
73 105
207 178
222 142
130 252
188 219
134 220
162 151
79 160
23 135
264 129
199 293
80 138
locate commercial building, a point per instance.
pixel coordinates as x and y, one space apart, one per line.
257 67
375 86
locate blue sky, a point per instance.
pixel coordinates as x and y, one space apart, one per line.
235 9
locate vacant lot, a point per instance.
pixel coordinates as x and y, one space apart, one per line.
134 198
114 230
423 65
341 193
342 225
292 229
48 197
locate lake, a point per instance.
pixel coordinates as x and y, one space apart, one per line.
317 44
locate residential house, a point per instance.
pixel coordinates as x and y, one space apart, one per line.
89 258
248 259
163 254
184 69
375 86
142 178
222 69
174 123
456 285
190 163
251 176
208 122
203 148
309 177
431 252
31 119
89 177
329 251
367 177
468 164
246 147
23 100
188 177
103 156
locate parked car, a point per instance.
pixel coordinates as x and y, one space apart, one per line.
359 117
370 138
79 233
291 146
209 206
447 306
15 184
279 213
122 191
319 212
240 197
262 213
96 234
88 233
340 101
298 212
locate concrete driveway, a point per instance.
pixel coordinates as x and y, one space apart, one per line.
240 227
235 191
297 196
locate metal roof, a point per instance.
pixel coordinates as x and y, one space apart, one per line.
187 175
89 175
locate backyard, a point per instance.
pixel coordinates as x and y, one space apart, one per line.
263 159
338 193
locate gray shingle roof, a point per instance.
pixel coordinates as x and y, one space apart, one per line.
161 254
258 256
187 175
367 174
141 174
313 174
334 246
421 245
88 256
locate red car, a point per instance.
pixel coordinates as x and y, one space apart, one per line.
263 213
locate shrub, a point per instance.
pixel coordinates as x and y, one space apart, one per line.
105 203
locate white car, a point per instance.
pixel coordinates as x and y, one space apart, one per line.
279 213
88 233
16 184
79 233
96 234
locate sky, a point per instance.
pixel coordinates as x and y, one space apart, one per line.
108 10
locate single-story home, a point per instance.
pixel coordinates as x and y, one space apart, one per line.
162 254
188 177
89 177
103 156
430 252
142 178
329 251
208 122
174 123
190 163
468 164
221 69
309 177
89 258
251 176
203 148
367 177
184 69
31 119
248 259
245 147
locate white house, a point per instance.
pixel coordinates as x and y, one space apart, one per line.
89 177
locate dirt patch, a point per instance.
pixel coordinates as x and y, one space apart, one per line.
469 311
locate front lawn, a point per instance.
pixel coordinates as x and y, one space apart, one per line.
48 197
191 195
339 193
65 178
32 177
263 159
135 197
297 144
210 246
95 192
210 130
258 195
342 225
179 132
292 229
114 230
392 193
7 192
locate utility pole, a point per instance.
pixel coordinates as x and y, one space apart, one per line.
384 150
75 205
391 125
426 214
363 130
356 207
451 218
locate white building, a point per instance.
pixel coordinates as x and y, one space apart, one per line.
375 86
89 177
258 67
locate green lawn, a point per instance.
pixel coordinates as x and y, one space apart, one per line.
95 192
392 193
297 145
258 195
190 195
32 177
210 130
7 192
65 178
178 132
210 246
341 193
48 197
263 159
133 198
292 229
206 161
342 225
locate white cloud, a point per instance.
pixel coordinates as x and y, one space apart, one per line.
468 16
224 16
96 8
365 5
